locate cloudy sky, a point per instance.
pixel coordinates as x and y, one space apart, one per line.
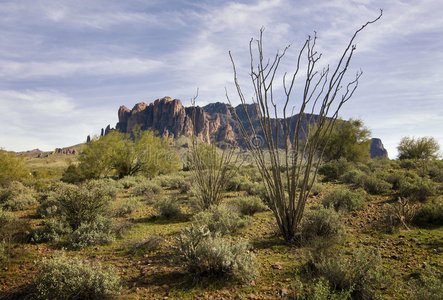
67 66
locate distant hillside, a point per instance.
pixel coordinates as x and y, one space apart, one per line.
214 123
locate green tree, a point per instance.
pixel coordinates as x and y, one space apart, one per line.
119 154
348 139
424 148
12 168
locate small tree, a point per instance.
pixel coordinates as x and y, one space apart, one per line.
12 168
348 139
425 148
291 172
123 155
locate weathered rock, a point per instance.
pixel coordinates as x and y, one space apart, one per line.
377 149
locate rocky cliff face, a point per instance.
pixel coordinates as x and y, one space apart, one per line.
213 123
377 149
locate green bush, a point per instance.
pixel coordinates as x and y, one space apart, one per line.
146 189
362 273
332 170
317 188
249 205
353 176
374 185
126 207
238 183
17 196
12 228
131 181
107 185
79 205
322 225
344 199
167 208
419 190
172 181
61 277
208 255
428 286
429 214
98 232
49 207
52 231
221 219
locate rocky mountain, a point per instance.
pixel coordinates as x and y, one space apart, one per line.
377 149
214 123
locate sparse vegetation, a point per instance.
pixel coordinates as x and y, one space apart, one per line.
62 277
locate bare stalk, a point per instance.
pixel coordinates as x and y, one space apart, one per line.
288 160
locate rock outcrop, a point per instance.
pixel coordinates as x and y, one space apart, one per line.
66 151
213 123
377 149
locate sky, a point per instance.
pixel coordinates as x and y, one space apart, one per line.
67 66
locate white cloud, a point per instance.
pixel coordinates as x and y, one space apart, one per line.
99 67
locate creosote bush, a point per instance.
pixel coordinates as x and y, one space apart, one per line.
167 208
249 205
205 254
172 181
146 189
62 277
16 196
131 181
362 273
79 205
429 214
98 232
332 170
126 207
374 185
345 199
221 219
322 227
418 190
53 230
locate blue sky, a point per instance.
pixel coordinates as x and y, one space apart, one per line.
67 66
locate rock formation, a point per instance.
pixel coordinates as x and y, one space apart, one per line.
213 123
377 149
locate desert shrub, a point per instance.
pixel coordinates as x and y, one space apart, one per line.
322 225
49 207
12 228
98 232
429 214
172 181
428 286
332 170
362 273
237 183
53 230
322 290
79 205
107 185
317 188
142 246
419 190
17 196
400 213
126 207
167 208
131 181
146 189
435 170
62 277
374 185
345 199
208 255
221 219
249 205
353 176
